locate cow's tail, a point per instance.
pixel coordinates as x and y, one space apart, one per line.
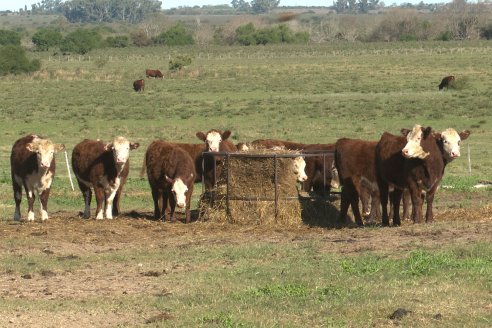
143 170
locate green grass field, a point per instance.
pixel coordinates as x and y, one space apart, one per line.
135 272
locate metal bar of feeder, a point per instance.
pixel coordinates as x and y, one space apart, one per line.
227 185
276 184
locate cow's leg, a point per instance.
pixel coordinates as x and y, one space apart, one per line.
165 203
416 196
17 198
116 202
365 195
406 204
395 203
354 201
375 212
111 191
43 199
172 205
31 197
187 209
429 216
156 196
383 194
344 203
87 194
100 202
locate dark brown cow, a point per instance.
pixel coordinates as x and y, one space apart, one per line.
446 82
171 175
103 167
139 85
355 162
33 166
153 73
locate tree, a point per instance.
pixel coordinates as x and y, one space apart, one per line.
175 36
241 5
264 6
13 60
81 41
45 38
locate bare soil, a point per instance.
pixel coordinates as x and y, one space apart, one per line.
66 237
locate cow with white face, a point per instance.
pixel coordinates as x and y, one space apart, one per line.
213 139
451 142
299 168
103 167
413 147
170 171
33 166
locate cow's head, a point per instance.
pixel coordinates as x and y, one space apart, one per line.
45 150
213 138
299 168
121 149
179 189
451 141
413 147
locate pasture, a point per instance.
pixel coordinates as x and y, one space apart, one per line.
133 271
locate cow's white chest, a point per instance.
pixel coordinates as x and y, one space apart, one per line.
38 181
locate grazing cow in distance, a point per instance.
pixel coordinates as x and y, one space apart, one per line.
446 82
153 73
103 167
33 166
139 85
170 171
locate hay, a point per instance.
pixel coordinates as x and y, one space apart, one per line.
252 192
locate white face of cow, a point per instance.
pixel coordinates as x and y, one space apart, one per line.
451 141
121 149
213 140
413 148
44 150
299 169
179 191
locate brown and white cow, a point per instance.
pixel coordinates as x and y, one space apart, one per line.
103 167
153 73
33 167
420 174
139 85
446 82
171 175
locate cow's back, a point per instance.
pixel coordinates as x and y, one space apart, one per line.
355 157
23 161
167 159
389 159
90 160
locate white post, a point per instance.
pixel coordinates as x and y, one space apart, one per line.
68 169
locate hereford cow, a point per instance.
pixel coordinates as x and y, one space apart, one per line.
170 171
33 166
320 170
277 144
446 82
139 85
153 73
354 160
103 167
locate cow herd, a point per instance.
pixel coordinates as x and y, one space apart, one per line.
374 172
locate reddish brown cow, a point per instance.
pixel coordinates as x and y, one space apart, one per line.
446 82
171 175
139 85
33 166
103 167
153 73
277 144
354 160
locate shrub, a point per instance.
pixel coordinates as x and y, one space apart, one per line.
175 36
248 35
13 60
486 32
120 41
45 38
445 36
9 38
140 39
179 62
245 34
81 41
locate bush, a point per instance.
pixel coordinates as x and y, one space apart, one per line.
140 39
9 38
247 35
13 60
175 36
45 38
120 41
179 62
81 41
445 36
486 32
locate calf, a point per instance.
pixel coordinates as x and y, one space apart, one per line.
139 85
320 170
153 73
355 162
415 162
170 171
103 167
446 82
33 166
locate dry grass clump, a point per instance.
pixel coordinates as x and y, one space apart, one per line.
252 191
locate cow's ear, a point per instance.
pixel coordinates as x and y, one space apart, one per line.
31 147
405 132
437 135
226 134
464 134
200 135
59 147
134 145
426 132
108 146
